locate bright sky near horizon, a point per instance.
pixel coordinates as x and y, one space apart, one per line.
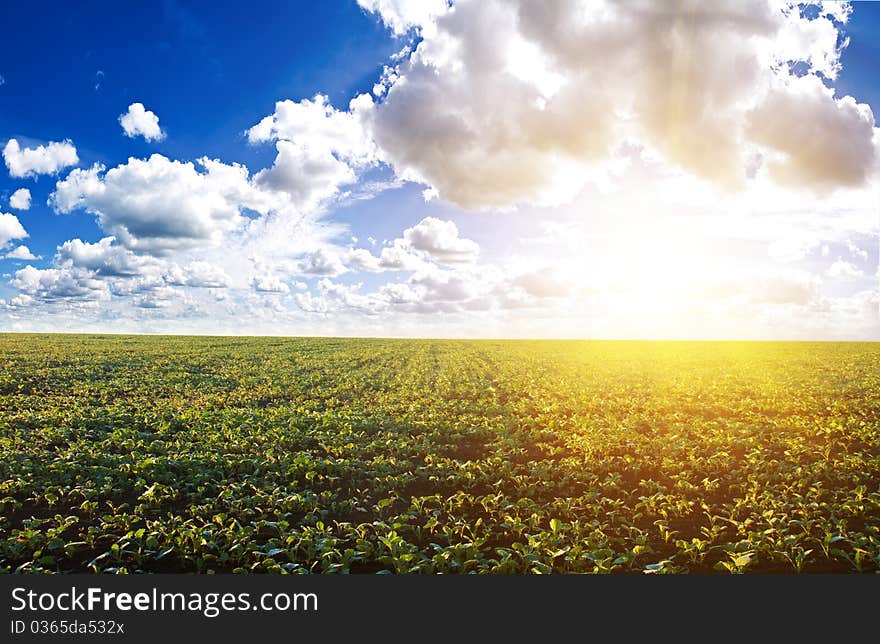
492 168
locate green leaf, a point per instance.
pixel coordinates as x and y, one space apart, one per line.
742 561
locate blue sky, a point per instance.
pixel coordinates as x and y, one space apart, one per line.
502 171
181 58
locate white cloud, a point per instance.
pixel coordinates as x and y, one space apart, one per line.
22 253
319 147
814 41
448 286
162 297
842 269
316 125
20 199
822 142
429 240
308 176
440 240
139 285
158 205
197 274
323 262
333 298
360 259
398 257
269 283
392 258
10 228
402 15
139 121
54 283
856 251
836 9
432 289
105 258
471 112
505 102
43 159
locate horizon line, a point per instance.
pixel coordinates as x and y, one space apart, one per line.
428 338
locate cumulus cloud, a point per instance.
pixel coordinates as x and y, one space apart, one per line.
856 251
22 253
197 274
157 205
440 240
844 270
104 258
43 159
308 176
398 257
334 297
10 228
317 125
182 238
139 121
505 102
391 258
402 15
430 240
322 261
360 259
312 304
269 283
159 298
319 147
435 289
820 142
444 277
55 283
447 286
20 199
83 272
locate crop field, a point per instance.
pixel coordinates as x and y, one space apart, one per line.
200 454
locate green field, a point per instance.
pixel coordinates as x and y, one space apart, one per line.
197 454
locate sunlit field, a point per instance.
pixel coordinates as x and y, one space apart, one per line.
200 454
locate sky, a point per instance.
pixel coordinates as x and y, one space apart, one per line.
424 168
